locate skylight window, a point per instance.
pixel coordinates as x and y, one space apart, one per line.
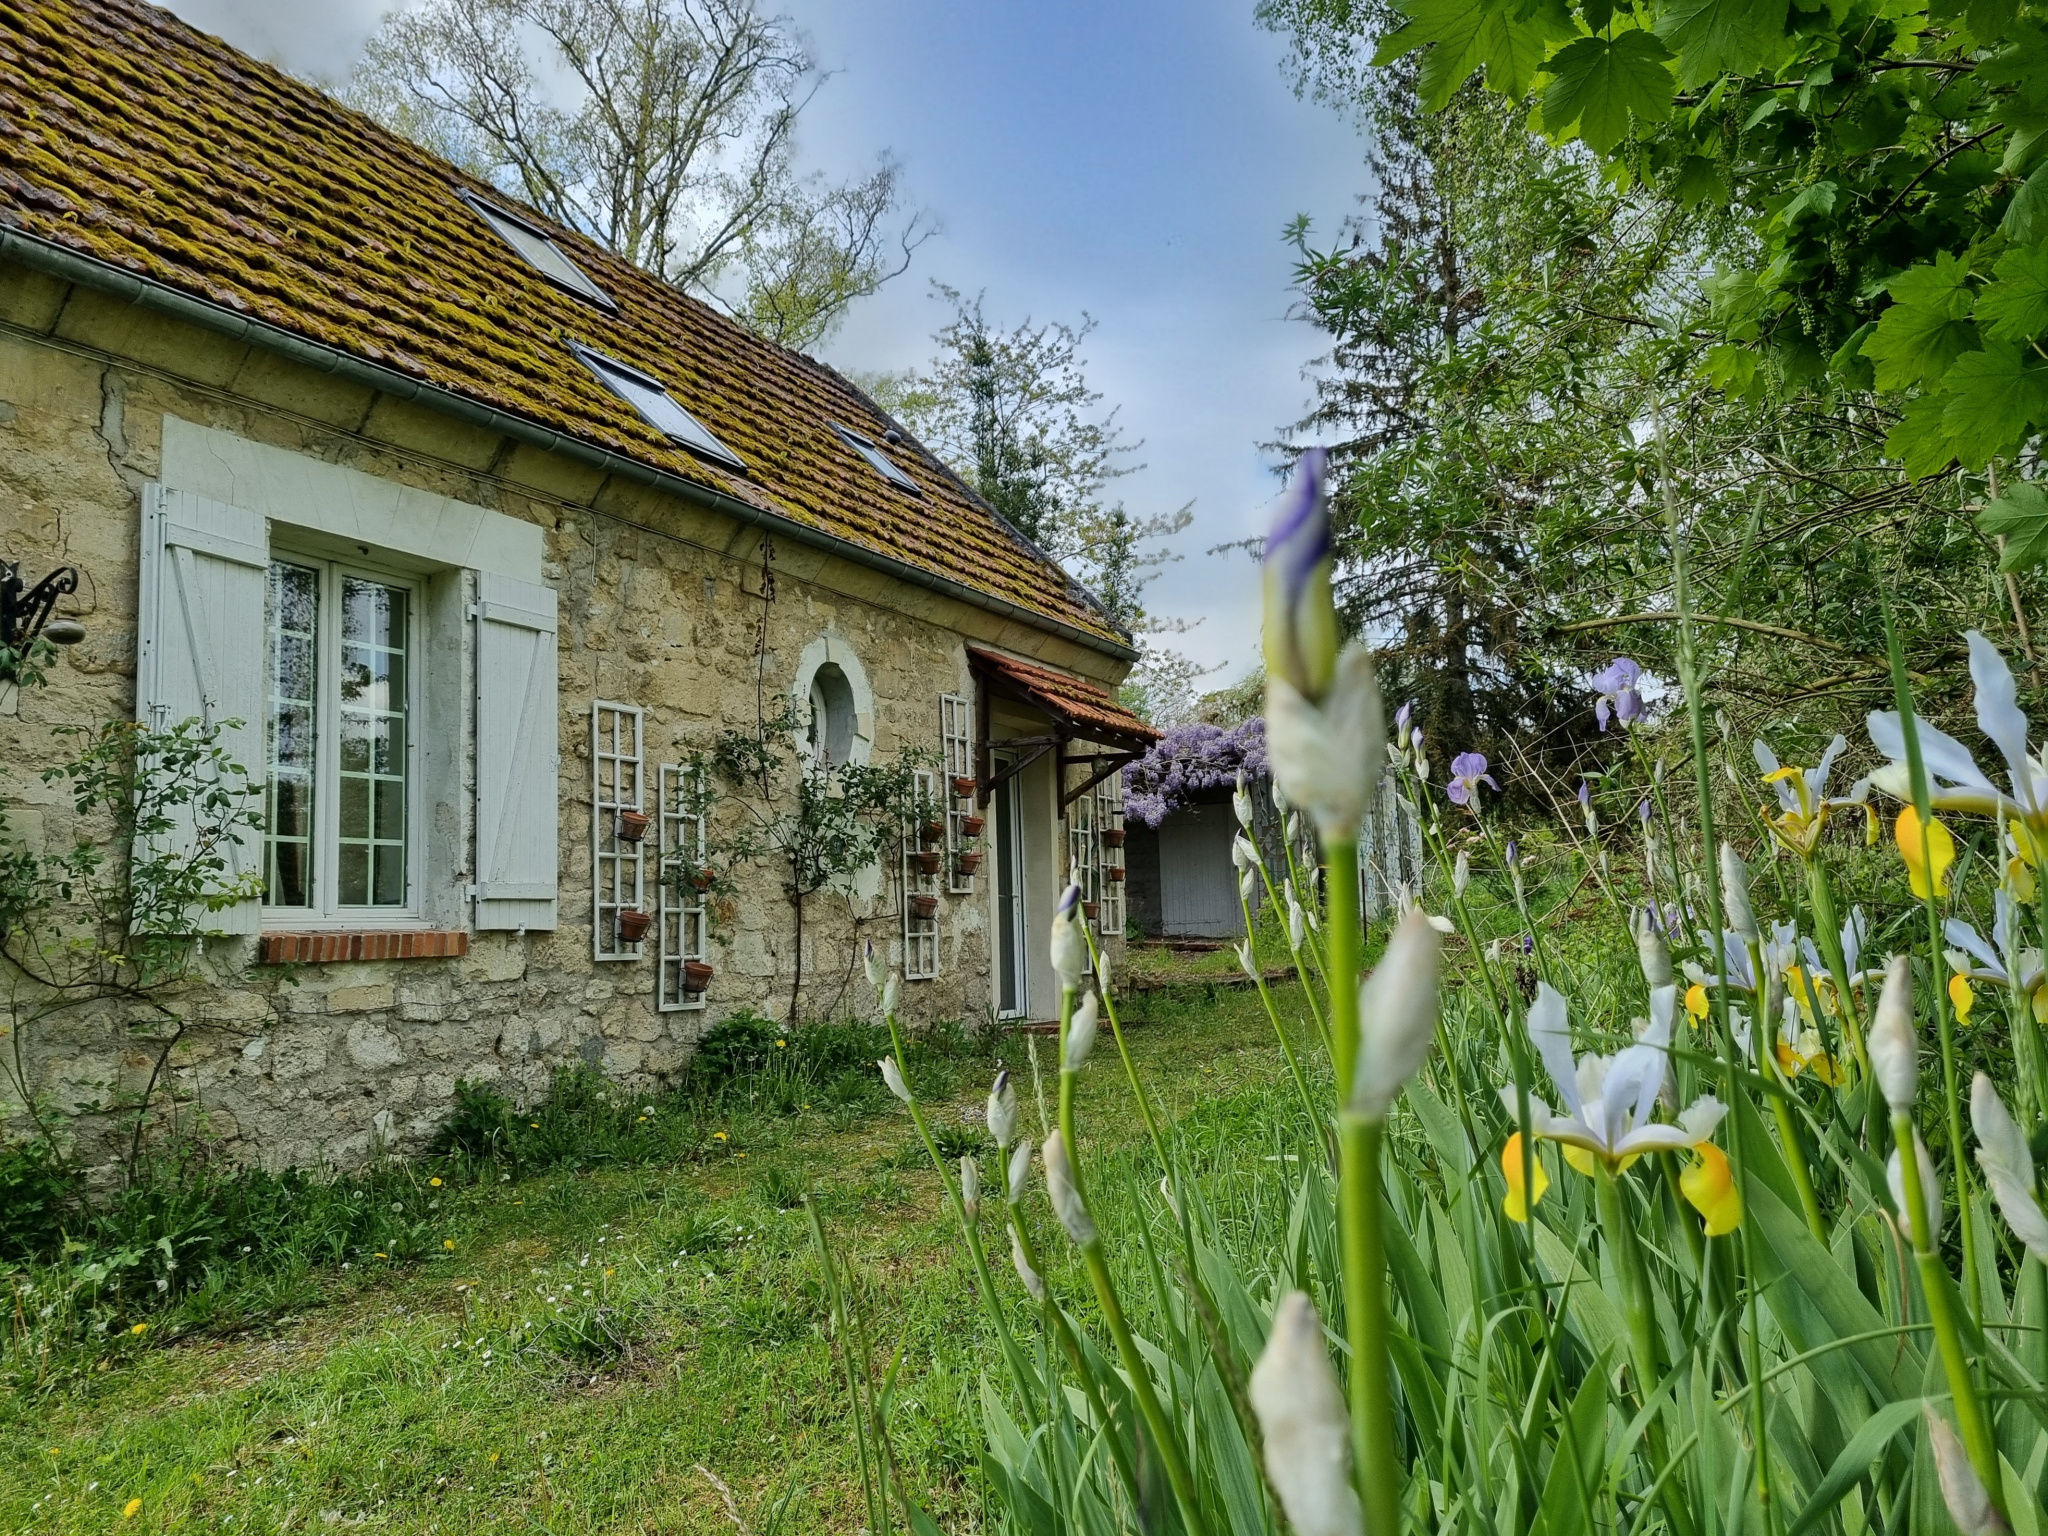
647 396
884 465
541 252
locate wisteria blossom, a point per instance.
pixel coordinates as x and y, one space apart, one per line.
1618 692
1190 761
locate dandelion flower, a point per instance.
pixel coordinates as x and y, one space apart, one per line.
131 1509
139 1329
448 1243
433 1183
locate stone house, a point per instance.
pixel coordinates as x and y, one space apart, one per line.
479 532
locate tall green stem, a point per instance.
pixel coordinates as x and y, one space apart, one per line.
1934 1284
1342 923
1365 1321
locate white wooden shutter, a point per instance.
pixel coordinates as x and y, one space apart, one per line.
200 646
517 754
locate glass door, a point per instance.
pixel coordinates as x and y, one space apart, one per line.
1011 994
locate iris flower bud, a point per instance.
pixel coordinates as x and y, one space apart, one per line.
1030 1276
1241 802
894 1079
1651 950
1962 1490
1020 1170
1301 636
1069 941
877 967
892 993
1930 1184
1066 1198
1244 853
1735 893
1302 1419
1329 752
1102 971
1894 1053
1461 872
1002 1110
970 1187
2008 1164
1396 1017
1081 1032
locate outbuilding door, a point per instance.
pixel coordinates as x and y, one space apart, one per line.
1197 885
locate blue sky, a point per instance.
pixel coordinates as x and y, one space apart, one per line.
1135 160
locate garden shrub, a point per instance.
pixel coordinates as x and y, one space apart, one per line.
38 1193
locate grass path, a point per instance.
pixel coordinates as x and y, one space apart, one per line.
586 1341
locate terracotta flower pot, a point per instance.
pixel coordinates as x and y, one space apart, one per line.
703 879
633 825
965 785
969 863
930 861
924 906
1112 837
633 924
1091 910
1114 874
933 831
970 826
696 976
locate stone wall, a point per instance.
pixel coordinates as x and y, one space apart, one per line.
660 605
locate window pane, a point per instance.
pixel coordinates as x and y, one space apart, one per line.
292 612
375 731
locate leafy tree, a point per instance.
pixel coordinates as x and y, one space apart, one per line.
662 128
1513 368
1012 413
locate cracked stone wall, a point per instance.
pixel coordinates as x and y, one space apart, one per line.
659 606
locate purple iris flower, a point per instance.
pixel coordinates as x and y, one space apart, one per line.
1643 811
1401 718
1617 688
1468 772
1585 794
1514 852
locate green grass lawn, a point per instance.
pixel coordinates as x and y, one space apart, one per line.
598 1349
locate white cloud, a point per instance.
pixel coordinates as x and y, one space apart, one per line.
321 40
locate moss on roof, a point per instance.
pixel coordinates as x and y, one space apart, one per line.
136 140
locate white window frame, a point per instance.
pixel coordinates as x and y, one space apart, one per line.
1083 850
617 875
683 923
956 737
1109 813
920 934
326 910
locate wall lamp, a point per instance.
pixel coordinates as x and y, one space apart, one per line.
25 611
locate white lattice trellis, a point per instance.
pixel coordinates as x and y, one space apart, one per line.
956 735
1109 817
683 918
617 881
920 934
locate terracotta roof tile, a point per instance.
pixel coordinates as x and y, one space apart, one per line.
1087 706
137 141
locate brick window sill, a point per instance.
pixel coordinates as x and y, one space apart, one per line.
325 947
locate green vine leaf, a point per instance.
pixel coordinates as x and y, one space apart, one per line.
1928 326
1599 84
2020 517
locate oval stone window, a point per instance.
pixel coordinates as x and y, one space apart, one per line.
831 729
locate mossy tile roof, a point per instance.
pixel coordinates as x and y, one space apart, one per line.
136 141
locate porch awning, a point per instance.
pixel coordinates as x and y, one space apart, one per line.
1084 710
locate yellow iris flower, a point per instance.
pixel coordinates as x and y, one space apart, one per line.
1709 1187
1696 1002
1962 997
1929 864
1526 1181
